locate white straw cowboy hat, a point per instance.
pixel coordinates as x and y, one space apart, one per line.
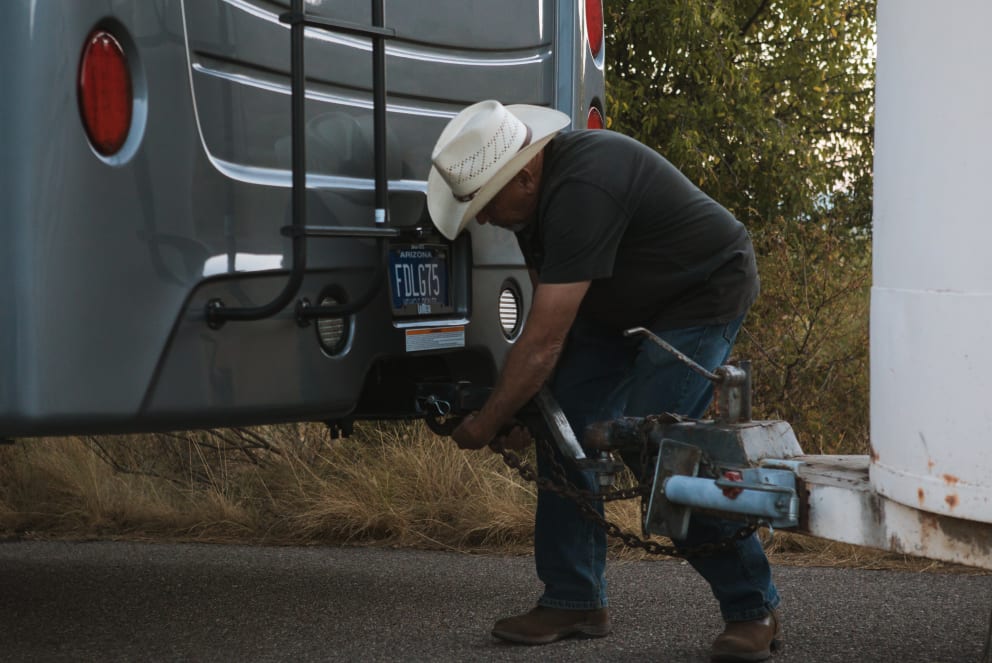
479 152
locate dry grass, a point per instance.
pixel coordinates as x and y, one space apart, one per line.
391 484
401 485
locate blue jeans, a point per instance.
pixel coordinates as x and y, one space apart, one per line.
603 376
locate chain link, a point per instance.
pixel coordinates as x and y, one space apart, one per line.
584 500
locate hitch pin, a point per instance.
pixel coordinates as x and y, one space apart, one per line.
442 407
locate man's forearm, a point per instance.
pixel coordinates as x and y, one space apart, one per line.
529 362
528 366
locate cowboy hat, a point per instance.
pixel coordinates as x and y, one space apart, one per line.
479 152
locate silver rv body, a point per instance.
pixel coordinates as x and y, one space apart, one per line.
109 262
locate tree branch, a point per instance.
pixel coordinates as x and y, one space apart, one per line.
754 17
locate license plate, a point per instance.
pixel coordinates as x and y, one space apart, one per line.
419 278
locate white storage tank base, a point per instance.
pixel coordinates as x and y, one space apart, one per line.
931 319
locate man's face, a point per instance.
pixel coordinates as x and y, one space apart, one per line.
512 208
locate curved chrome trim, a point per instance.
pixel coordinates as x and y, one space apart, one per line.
283 178
406 52
270 85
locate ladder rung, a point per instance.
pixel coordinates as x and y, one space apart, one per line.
338 26
339 231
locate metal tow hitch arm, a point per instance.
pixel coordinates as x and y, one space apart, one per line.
602 462
444 405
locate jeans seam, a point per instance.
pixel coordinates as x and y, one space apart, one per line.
749 613
546 602
688 375
725 333
746 614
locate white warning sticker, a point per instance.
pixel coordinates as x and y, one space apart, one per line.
435 338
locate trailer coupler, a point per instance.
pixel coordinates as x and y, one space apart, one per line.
736 470
756 494
718 467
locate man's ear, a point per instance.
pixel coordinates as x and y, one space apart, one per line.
527 178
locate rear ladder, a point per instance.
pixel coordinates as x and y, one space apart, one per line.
217 314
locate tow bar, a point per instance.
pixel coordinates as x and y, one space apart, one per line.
444 405
730 466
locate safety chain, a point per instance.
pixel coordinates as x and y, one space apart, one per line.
584 499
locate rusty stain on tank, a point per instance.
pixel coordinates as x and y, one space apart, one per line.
950 479
952 500
874 455
921 495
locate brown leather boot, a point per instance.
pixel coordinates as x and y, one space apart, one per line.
543 625
749 641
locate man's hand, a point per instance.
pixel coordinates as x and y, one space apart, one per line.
528 364
472 434
517 439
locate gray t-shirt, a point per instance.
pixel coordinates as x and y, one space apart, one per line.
657 249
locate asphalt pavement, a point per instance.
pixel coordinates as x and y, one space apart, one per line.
156 602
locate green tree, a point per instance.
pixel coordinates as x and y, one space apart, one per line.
767 105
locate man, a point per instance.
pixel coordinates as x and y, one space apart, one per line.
616 237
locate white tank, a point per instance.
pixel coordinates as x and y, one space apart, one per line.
931 313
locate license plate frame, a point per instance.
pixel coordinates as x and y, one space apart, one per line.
420 279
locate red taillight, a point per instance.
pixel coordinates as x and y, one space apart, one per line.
105 95
594 25
595 119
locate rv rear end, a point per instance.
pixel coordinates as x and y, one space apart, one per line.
146 175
